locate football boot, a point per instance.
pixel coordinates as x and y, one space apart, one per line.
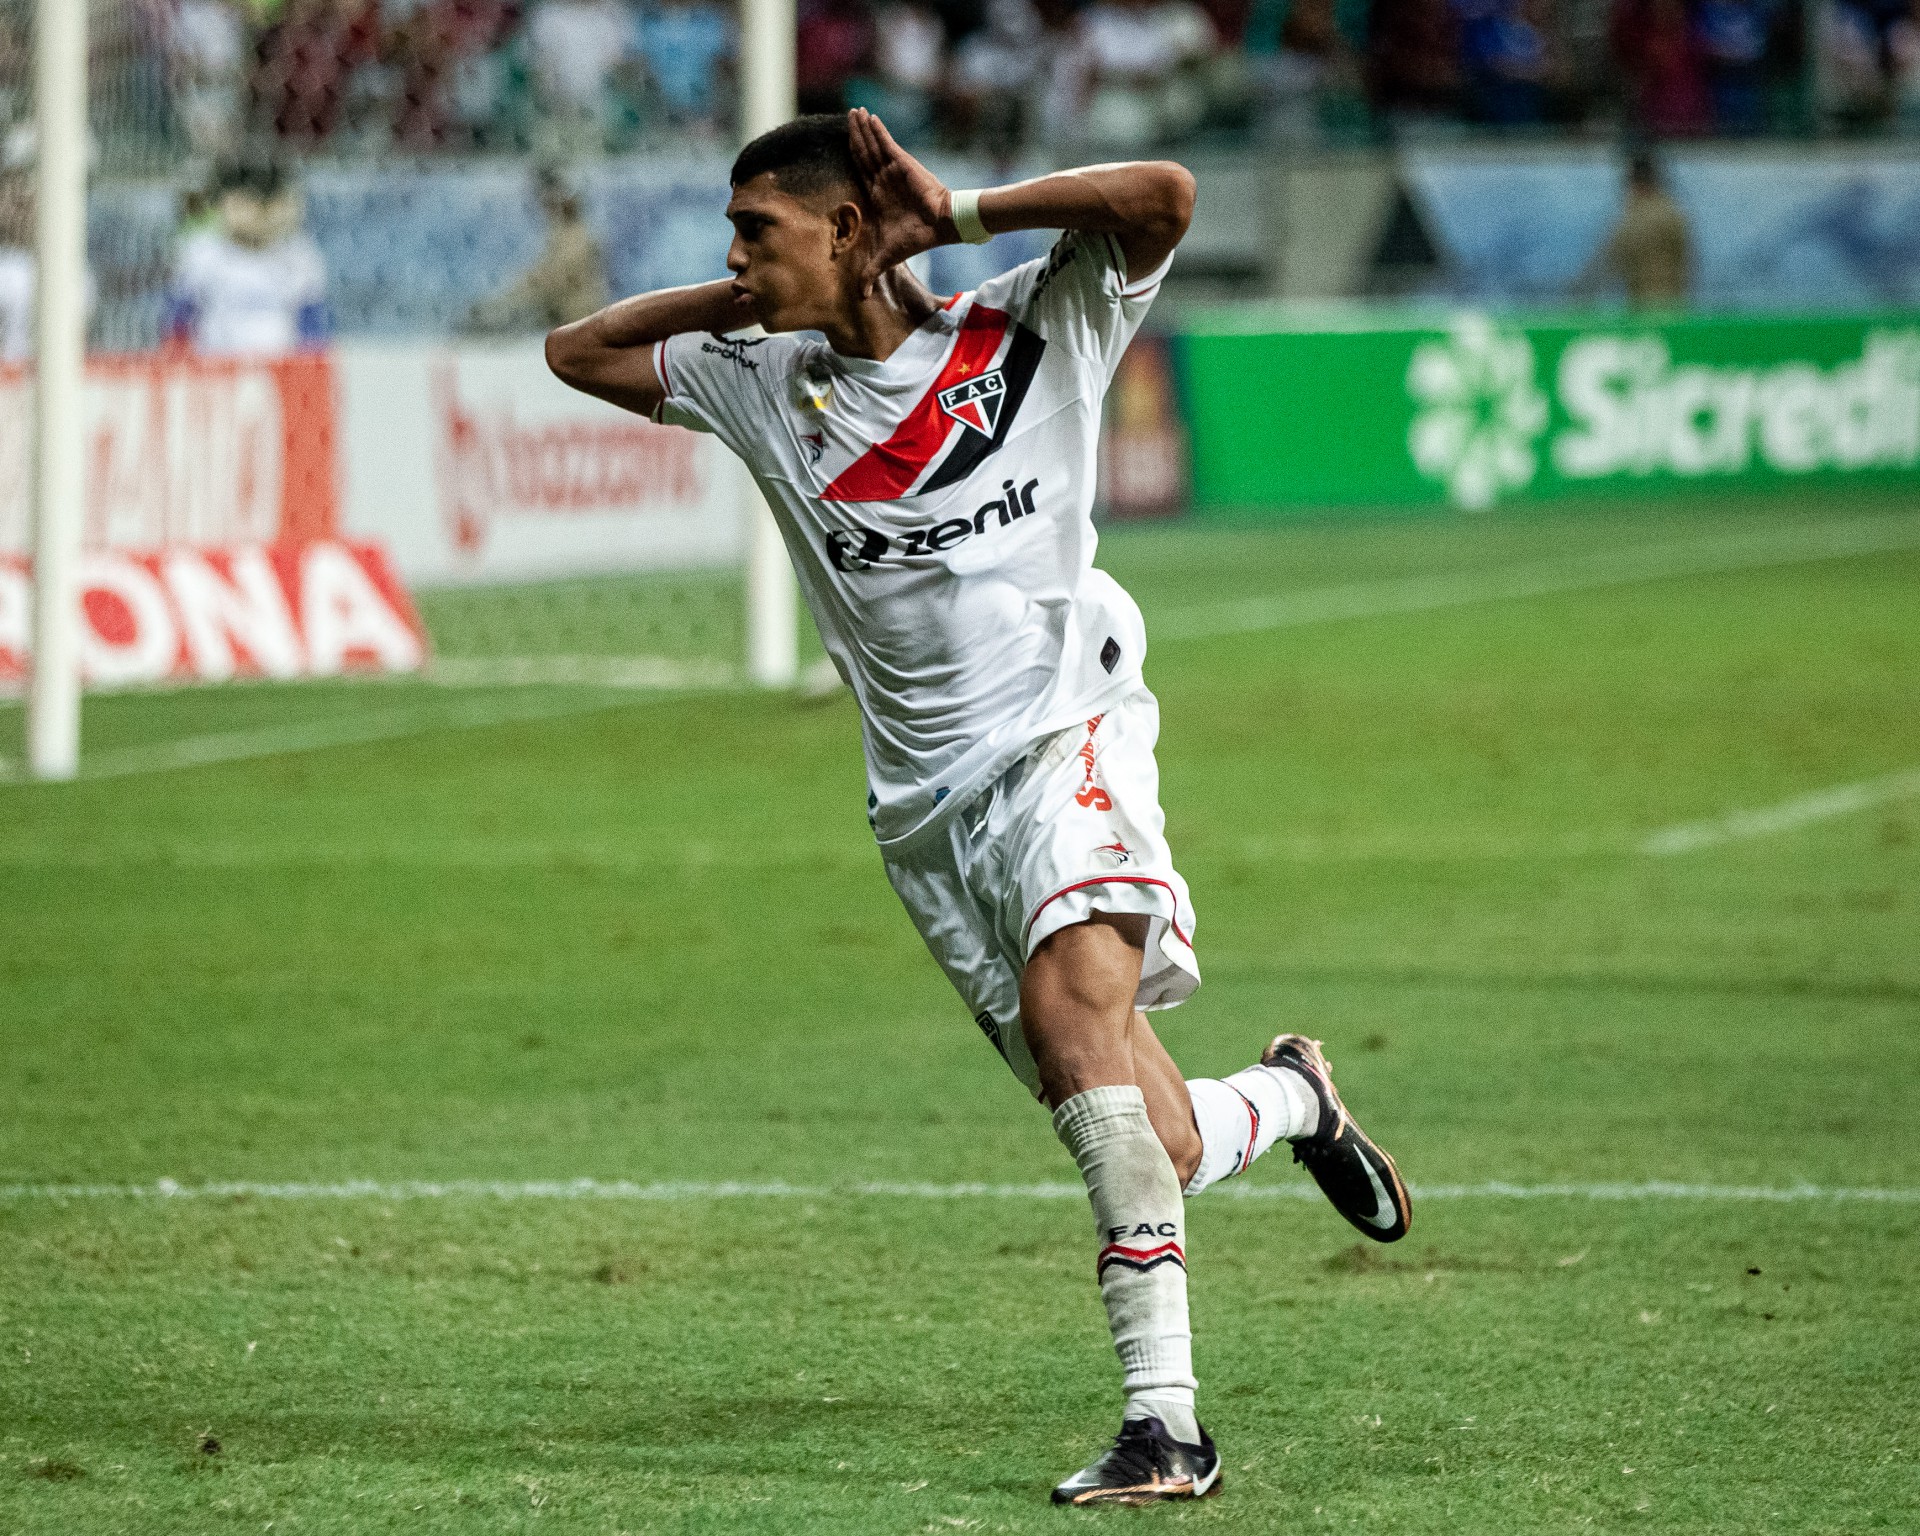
1145 1465
1354 1174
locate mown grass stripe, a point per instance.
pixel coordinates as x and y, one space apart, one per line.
343 731
695 1190
1286 610
1537 578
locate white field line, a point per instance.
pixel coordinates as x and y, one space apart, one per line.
696 1190
346 731
1573 573
638 672
1801 811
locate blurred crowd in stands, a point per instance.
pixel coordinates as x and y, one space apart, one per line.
565 77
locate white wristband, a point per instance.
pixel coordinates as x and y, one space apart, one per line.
965 213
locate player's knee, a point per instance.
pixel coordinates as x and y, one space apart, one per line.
1070 1066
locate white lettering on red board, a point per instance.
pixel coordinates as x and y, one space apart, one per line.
199 452
206 615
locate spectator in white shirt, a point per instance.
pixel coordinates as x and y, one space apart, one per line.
577 45
1145 59
254 285
206 58
1004 75
909 58
19 265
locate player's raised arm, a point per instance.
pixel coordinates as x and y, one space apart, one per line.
1145 205
610 353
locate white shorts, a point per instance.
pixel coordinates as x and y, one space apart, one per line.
1071 829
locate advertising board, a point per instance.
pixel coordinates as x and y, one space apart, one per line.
317 609
473 464
1470 410
189 451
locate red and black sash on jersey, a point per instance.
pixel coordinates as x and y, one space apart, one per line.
888 471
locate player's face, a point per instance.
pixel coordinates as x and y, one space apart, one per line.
788 255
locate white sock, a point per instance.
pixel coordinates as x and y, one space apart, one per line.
1241 1116
1172 1406
1141 1222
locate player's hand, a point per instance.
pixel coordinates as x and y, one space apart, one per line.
910 207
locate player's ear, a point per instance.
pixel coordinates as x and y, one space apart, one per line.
848 222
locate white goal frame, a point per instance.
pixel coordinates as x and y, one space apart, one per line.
59 437
768 98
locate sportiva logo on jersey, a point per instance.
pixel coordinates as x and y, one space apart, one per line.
734 350
975 403
860 548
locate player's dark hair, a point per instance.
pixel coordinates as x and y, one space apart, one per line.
262 175
808 155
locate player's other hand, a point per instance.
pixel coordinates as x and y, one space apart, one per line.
909 206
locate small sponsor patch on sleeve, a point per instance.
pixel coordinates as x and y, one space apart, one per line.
1110 653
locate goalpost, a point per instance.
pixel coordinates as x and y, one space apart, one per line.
767 99
59 485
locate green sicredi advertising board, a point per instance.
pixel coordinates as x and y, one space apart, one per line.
1471 409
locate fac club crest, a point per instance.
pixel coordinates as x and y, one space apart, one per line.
975 403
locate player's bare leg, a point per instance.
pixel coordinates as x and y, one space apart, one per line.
1076 1005
1077 996
1143 1137
1169 1100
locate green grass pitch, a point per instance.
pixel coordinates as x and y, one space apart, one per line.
650 940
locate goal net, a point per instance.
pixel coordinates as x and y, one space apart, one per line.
323 241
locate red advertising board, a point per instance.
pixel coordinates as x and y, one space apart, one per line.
209 453
212 538
317 609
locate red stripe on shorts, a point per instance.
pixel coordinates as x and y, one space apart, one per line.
1172 922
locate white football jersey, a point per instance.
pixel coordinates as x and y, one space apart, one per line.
938 508
17 269
248 302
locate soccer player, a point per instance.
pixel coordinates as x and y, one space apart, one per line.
931 466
